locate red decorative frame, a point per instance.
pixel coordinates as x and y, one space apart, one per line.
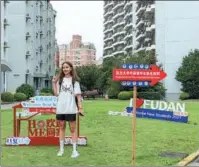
17 140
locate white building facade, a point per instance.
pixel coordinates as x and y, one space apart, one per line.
5 67
170 28
32 43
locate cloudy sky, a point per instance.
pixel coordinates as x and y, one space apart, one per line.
80 17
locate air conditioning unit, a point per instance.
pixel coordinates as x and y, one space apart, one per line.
27 71
27 16
27 34
6 45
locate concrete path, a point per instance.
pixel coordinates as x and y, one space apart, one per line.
7 106
194 163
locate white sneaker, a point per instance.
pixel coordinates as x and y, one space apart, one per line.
60 153
75 154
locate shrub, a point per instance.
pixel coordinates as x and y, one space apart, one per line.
184 96
46 94
112 93
26 89
125 95
46 90
20 96
7 97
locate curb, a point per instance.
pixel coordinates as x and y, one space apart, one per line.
188 159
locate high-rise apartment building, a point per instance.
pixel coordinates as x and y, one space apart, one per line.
145 26
77 52
118 28
169 28
30 37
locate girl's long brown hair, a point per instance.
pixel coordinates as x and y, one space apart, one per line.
72 73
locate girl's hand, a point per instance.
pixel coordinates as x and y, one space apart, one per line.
81 112
54 79
56 94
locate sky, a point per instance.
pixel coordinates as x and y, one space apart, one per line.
84 18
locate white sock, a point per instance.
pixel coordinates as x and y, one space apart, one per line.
74 146
61 145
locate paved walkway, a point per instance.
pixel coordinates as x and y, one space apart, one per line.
194 163
7 106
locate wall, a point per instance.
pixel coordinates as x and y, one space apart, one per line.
177 26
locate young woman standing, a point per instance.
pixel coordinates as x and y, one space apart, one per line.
66 86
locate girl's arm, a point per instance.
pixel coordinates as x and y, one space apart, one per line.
79 101
55 79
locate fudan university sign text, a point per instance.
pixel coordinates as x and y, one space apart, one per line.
165 106
161 110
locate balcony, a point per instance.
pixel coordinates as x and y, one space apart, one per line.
140 10
153 47
140 37
140 23
118 33
5 23
149 48
108 22
129 46
108 39
128 25
151 28
147 39
118 15
127 15
108 30
106 56
150 9
108 13
120 4
128 4
119 52
108 4
108 47
118 24
118 43
140 49
128 36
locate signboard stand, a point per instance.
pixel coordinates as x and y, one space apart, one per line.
137 75
39 132
134 125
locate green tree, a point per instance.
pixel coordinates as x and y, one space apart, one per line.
188 74
88 75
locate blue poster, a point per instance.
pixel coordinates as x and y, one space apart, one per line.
158 114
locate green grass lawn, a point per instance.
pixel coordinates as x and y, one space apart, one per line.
110 139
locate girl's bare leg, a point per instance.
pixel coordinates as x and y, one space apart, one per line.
74 138
61 137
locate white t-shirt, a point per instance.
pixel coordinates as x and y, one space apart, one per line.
66 100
